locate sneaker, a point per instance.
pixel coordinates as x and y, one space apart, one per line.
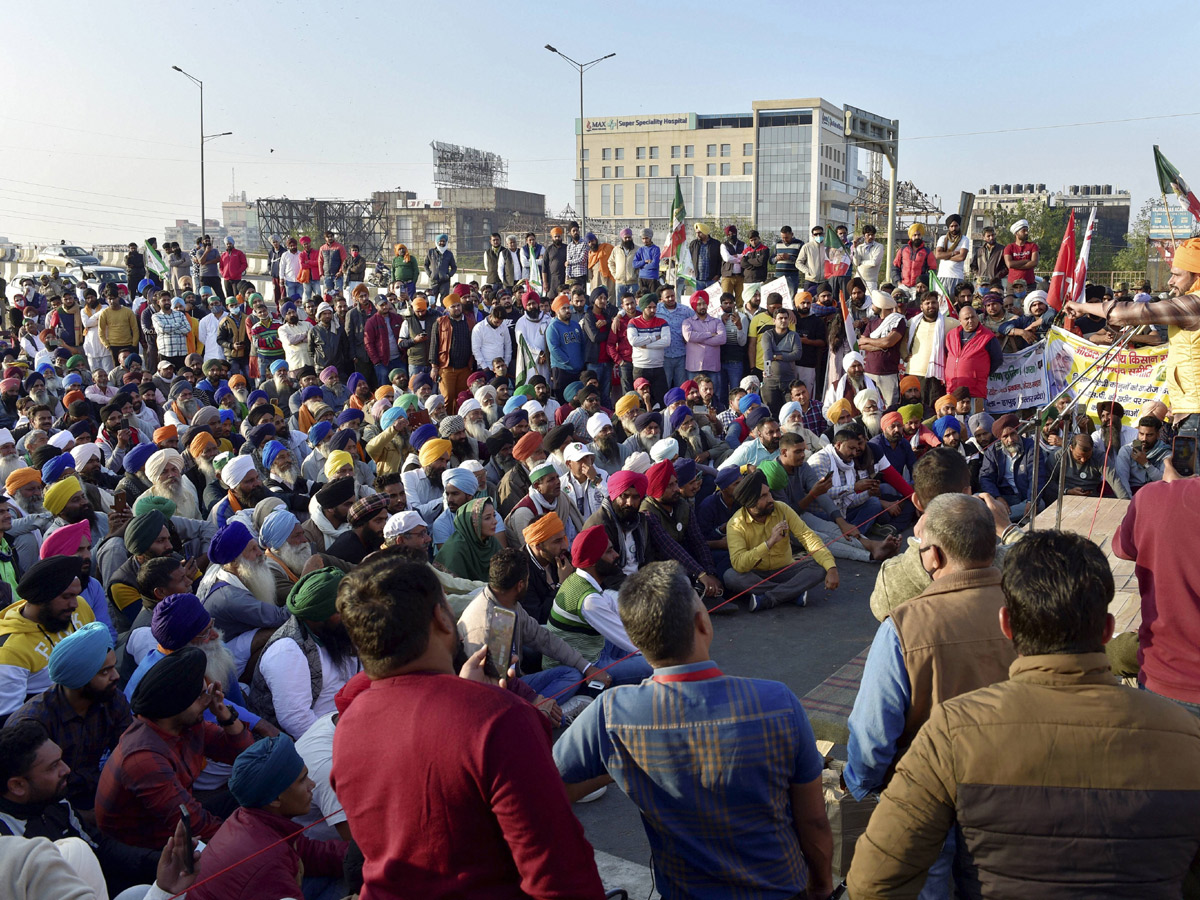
802 600
594 795
573 707
757 602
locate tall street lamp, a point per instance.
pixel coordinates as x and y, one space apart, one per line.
204 138
582 67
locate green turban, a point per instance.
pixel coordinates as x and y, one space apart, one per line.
914 412
314 597
143 530
149 501
525 390
774 471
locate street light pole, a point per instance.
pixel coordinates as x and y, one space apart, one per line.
582 67
204 138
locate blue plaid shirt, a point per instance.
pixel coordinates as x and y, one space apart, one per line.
709 760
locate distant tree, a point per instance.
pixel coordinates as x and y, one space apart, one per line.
1046 227
1136 253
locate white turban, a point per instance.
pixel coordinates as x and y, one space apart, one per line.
82 454
531 407
401 523
433 401
471 465
883 300
852 357
596 422
1018 225
469 405
159 459
868 394
236 470
667 448
6 437
1031 298
750 383
60 439
638 462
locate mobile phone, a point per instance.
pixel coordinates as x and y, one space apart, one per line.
120 502
1183 456
501 623
1136 446
596 685
189 861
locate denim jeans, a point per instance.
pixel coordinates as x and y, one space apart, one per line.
604 370
420 370
623 289
331 283
728 378
625 371
292 290
562 682
673 369
864 514
306 290
381 372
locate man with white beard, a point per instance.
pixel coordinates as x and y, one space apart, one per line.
538 420
791 421
486 395
10 460
696 442
165 470
245 489
283 475
475 422
203 449
242 599
313 467
610 454
647 431
869 404
142 415
287 550
181 406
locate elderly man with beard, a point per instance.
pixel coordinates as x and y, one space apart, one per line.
181 406
647 430
10 460
674 533
500 455
696 442
165 470
202 473
329 510
30 517
528 452
242 598
1007 469
49 610
69 504
870 408
244 487
545 495
610 454
308 659
283 476
367 518
854 380
423 486
287 550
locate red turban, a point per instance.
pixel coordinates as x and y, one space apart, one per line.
700 298
658 477
620 482
589 545
890 419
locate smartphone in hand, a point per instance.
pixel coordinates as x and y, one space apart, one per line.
189 863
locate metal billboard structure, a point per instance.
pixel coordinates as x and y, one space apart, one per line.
466 167
360 222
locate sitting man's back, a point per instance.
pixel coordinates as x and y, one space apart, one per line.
724 770
1061 782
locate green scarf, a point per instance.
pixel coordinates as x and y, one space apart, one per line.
467 552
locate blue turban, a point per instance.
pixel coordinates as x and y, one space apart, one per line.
343 439
278 365
756 415
571 390
463 479
319 432
348 415
514 418
277 528
685 470
178 620
133 358
288 307
270 451
255 396
392 416
443 237
265 770
420 380
137 457
226 415
515 402
79 657
131 388
56 468
229 543
260 433
35 378
222 392
727 476
422 434
354 381
674 395
746 401
312 392
73 379
944 424
678 415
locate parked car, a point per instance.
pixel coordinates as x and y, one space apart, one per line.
15 283
99 277
64 255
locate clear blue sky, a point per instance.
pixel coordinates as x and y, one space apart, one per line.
350 95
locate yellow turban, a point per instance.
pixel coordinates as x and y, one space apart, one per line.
337 460
1187 255
433 450
544 529
838 409
627 404
913 412
703 228
60 492
915 230
20 478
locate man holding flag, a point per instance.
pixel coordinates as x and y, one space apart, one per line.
156 268
837 262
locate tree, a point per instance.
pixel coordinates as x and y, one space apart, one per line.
1046 227
1134 256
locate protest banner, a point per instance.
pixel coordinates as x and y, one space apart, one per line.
1020 382
1136 375
778 286
714 299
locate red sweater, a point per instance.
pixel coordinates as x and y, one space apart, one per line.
275 873
450 790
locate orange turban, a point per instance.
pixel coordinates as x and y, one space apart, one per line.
72 397
909 382
524 448
941 401
544 529
1187 255
237 381
385 390
559 302
20 478
200 443
165 433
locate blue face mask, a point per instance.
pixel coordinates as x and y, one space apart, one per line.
236 309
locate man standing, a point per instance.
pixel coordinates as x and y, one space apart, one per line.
867 256
650 336
233 267
952 250
381 336
440 266
333 263
987 262
675 354
599 273
577 258
882 342
492 254
646 262
704 336
811 261
655 737
1021 256
453 363
274 256
294 335
914 260
564 339
787 249
481 750
732 277
554 261
135 267
621 265
992 756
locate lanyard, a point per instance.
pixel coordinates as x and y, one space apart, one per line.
698 675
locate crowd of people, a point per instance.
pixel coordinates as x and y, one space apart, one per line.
361 587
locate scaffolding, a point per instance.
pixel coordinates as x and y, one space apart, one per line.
466 167
870 206
360 222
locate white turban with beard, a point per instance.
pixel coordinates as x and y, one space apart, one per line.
180 490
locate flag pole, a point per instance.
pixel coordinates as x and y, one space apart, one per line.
1170 227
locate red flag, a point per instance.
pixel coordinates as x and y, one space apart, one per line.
1076 284
1063 266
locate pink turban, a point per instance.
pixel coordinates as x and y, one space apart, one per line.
65 541
620 482
890 419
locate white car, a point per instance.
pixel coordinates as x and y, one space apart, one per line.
100 277
66 255
15 285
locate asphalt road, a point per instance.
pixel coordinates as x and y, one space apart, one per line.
800 647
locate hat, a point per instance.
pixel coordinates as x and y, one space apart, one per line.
647 232
498 440
913 412
561 301
542 470
589 546
171 685
626 232
229 543
775 474
756 416
433 450
620 482
1034 297
65 541
1112 407
915 230
450 425
658 477
178 620
678 415
750 489
909 383
1008 420
574 452
748 400
366 508
335 492
727 476
422 434
667 448
674 395
558 437
1187 255
58 495
237 470
865 396
543 529
837 410
314 596
401 523
160 460
79 657
639 462
853 357
48 578
891 418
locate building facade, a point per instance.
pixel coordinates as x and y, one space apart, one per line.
784 162
1112 207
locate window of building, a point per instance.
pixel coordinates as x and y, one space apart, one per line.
641 171
586 153
606 172
404 232
606 153
587 173
606 199
725 170
641 152
675 151
747 149
747 168
689 151
783 169
735 198
654 171
710 169
712 150
675 170
618 199
689 169
710 199
654 153
433 229
726 149
619 172
639 199
662 195
620 153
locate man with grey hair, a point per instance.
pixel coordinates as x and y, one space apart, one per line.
658 738
942 643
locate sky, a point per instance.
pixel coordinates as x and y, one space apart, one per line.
99 137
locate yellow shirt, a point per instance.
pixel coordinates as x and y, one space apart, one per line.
748 541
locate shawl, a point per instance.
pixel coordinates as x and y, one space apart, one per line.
466 552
